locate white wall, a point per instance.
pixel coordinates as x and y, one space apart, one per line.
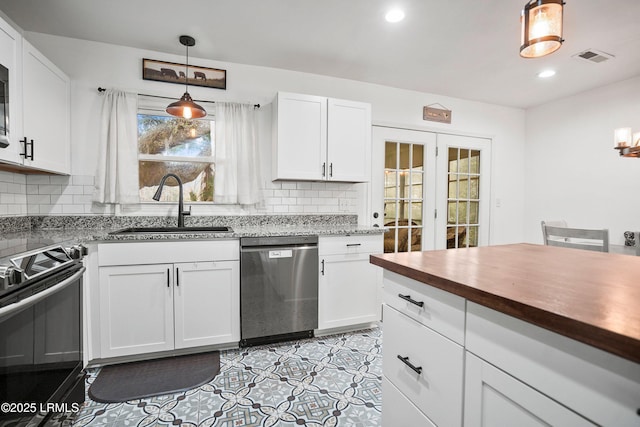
91 64
572 171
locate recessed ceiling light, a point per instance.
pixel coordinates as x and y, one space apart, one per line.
546 73
394 15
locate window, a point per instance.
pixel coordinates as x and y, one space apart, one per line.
403 196
463 210
168 144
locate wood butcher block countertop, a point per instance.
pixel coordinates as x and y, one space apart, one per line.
589 296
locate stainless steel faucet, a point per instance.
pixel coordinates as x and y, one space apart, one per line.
181 212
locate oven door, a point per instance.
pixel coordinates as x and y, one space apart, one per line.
41 348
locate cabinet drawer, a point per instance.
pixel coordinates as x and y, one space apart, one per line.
135 253
354 244
601 387
441 311
397 411
437 389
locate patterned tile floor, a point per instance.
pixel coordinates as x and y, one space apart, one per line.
326 381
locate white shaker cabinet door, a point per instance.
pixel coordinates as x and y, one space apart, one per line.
46 113
206 303
348 141
136 309
494 398
348 291
300 137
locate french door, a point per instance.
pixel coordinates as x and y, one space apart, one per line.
430 190
403 188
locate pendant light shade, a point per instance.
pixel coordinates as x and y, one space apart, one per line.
541 28
185 107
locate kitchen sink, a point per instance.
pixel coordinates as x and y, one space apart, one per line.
173 230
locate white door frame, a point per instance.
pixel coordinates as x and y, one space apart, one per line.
381 134
372 197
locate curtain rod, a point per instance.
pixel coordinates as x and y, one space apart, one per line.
101 89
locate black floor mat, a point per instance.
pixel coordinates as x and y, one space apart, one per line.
138 380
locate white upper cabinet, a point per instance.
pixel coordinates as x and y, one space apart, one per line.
38 105
10 53
300 137
46 105
349 141
321 139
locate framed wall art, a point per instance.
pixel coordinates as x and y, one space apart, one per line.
171 72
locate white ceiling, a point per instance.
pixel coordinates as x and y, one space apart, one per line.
461 48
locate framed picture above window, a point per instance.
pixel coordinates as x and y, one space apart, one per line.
172 72
168 144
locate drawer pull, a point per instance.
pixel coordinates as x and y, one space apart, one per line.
354 244
405 360
412 301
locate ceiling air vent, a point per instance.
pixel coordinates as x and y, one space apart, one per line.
593 55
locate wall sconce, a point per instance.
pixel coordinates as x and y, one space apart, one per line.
626 143
185 107
541 28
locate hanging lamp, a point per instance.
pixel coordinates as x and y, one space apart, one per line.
541 28
185 107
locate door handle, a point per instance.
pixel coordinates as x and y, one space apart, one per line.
168 274
177 277
412 301
330 169
405 360
324 165
322 271
27 145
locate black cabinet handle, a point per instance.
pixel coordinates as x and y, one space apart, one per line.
177 277
412 301
330 169
168 274
354 244
322 271
405 360
27 145
324 165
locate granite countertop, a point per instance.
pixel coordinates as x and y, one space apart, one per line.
36 232
591 297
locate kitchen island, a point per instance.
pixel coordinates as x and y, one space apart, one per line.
520 330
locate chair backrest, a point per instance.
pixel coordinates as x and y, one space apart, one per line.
576 238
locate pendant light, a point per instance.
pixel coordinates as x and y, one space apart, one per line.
541 28
185 107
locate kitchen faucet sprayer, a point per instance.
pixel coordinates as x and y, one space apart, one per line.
181 212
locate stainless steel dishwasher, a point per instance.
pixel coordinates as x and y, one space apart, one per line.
278 288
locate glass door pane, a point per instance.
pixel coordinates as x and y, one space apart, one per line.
466 184
403 188
403 196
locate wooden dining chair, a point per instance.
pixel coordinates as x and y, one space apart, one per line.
576 238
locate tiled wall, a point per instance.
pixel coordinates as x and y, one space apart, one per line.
13 198
51 194
65 195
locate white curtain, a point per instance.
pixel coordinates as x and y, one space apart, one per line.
237 176
117 173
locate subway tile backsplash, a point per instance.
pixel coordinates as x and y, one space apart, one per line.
13 197
71 195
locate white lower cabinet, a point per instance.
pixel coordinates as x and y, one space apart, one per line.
494 398
204 299
398 411
425 366
451 362
146 308
349 287
136 309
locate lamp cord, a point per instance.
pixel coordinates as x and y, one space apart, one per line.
186 77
